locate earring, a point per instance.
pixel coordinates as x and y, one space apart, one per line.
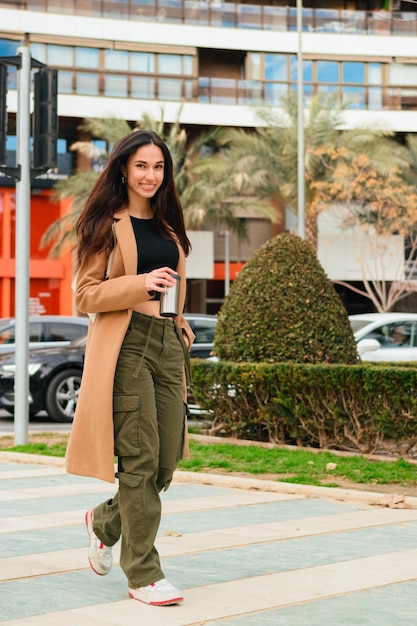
123 180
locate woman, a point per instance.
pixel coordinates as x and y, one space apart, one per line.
131 401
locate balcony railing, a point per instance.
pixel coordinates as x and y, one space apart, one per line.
230 91
256 93
233 15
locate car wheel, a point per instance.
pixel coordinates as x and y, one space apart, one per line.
62 395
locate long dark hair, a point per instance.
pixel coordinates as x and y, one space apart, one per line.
109 195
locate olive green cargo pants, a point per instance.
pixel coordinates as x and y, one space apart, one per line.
149 420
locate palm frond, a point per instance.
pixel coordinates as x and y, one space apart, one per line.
87 149
110 129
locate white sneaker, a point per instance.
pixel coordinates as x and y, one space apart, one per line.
99 556
158 594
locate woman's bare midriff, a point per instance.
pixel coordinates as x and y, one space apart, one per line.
148 308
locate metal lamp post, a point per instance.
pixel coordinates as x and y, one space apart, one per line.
300 121
225 234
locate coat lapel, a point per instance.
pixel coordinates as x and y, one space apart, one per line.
125 237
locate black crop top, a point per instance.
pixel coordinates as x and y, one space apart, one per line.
154 250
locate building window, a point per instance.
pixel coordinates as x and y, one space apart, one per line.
170 64
87 84
8 48
64 81
327 71
307 70
11 143
375 73
141 87
254 66
116 60
38 52
375 98
110 63
142 62
60 55
169 89
267 77
203 89
187 65
276 67
115 86
402 74
87 57
274 92
61 146
354 93
353 72
354 97
250 92
188 89
326 89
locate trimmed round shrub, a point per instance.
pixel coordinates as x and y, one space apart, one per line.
283 307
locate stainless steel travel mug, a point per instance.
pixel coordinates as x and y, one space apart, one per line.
169 302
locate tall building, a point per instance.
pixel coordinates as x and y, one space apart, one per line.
215 63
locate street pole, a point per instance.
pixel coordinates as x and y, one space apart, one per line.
300 122
226 263
225 234
21 420
44 157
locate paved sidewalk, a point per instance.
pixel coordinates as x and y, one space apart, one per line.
245 552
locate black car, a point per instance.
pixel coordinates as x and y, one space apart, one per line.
45 331
54 380
55 373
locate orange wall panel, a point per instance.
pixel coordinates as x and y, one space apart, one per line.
50 280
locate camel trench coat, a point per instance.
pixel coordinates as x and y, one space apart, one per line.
90 450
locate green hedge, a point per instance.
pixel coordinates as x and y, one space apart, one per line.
366 407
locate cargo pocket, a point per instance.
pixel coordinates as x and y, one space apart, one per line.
132 507
129 480
126 425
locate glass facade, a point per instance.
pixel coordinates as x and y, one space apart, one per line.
118 73
115 86
141 87
266 77
86 84
334 19
327 72
143 62
233 76
86 57
117 60
307 70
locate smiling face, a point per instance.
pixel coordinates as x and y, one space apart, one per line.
144 172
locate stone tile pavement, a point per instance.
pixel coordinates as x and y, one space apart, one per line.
245 553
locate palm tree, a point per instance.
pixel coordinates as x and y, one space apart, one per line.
208 196
411 143
268 157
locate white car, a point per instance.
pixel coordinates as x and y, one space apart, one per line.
385 336
204 328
